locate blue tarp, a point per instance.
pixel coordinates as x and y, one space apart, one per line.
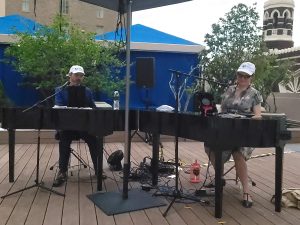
15 23
143 34
11 79
20 96
161 93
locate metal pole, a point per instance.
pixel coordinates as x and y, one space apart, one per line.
126 168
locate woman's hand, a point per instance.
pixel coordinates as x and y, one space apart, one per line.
256 117
257 112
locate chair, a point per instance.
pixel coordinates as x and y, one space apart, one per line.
236 179
81 161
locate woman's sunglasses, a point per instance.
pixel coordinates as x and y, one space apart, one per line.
240 75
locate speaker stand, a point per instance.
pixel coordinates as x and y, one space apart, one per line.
145 139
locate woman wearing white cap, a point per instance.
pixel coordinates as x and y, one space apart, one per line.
241 98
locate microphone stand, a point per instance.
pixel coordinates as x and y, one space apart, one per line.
176 193
39 102
198 78
38 183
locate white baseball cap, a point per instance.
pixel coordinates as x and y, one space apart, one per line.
247 67
76 69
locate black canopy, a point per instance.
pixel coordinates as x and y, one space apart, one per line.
117 5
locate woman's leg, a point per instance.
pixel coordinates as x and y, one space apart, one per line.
242 172
210 154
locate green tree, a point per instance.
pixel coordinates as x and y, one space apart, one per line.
234 39
269 73
45 58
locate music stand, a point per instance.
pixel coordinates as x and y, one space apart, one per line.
38 183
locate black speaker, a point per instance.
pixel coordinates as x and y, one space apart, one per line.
114 160
145 69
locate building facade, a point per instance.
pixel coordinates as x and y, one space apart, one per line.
278 23
278 36
89 17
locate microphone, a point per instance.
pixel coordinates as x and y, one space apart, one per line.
176 71
62 87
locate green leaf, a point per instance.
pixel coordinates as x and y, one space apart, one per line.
45 58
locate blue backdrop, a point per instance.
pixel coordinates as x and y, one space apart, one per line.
160 94
20 96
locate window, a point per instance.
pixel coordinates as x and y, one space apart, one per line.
64 6
100 13
266 15
286 17
99 29
275 20
25 6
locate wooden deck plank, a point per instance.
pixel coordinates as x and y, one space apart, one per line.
53 215
19 203
155 216
140 217
41 207
38 208
172 217
20 152
187 214
71 211
87 210
122 219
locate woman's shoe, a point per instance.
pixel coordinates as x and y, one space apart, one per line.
246 203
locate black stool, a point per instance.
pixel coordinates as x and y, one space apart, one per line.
82 162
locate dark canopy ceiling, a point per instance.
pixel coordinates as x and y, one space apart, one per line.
120 5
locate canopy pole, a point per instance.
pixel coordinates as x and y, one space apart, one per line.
126 168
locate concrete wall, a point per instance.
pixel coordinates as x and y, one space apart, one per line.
2 8
288 103
80 13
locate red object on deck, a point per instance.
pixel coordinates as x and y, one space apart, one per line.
195 172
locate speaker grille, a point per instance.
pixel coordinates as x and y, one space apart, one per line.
145 68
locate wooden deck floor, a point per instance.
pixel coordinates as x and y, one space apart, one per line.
40 207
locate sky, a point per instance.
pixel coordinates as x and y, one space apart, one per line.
192 20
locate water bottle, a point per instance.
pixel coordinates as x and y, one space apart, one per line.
116 100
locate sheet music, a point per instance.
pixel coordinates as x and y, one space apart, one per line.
66 107
231 115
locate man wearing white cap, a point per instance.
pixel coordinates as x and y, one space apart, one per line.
244 99
74 95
